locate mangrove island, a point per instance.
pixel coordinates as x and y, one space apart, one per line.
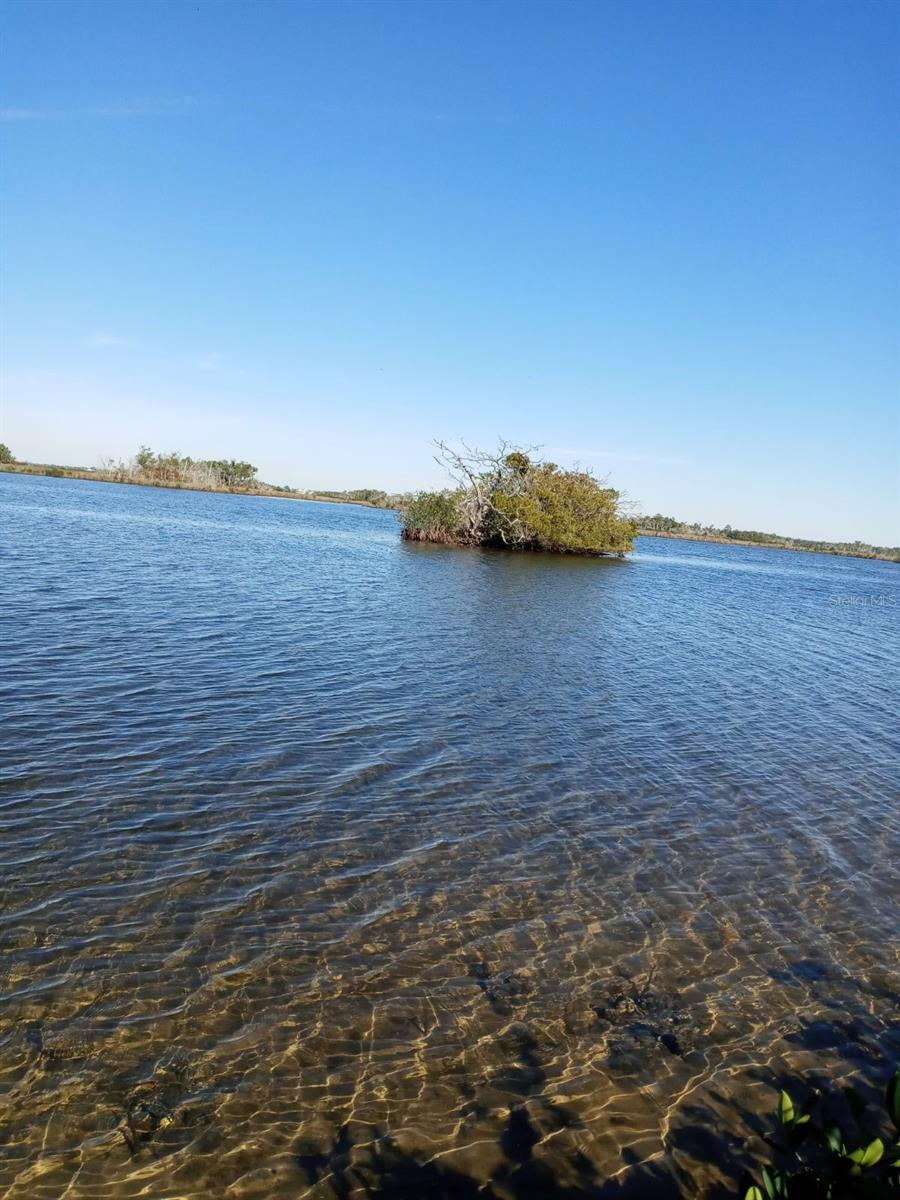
508 500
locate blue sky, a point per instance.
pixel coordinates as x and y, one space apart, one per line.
656 238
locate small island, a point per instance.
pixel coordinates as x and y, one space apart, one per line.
509 500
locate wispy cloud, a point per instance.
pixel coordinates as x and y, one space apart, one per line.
139 106
107 341
23 114
208 362
410 113
569 452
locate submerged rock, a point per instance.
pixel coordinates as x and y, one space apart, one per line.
58 1045
503 990
633 1017
162 1102
146 1116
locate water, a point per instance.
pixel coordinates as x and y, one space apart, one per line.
331 862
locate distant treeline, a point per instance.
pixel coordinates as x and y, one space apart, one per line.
372 496
669 525
177 470
149 466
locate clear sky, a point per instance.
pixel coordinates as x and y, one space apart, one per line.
656 237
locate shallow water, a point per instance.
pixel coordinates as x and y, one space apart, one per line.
542 868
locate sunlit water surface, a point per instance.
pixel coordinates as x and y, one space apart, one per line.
329 862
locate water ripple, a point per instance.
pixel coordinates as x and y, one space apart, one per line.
309 837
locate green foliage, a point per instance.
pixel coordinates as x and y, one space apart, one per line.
374 496
892 1100
785 1109
507 499
433 513
567 511
517 462
5 454
661 524
369 495
830 1146
152 467
231 473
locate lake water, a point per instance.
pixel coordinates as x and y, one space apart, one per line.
330 862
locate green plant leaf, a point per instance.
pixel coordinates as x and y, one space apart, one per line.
834 1140
785 1109
753 1193
774 1182
892 1098
868 1156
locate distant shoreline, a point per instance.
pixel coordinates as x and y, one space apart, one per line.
98 476
724 541
58 472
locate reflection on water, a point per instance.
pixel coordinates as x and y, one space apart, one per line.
332 863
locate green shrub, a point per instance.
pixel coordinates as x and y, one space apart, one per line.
567 511
505 499
828 1146
435 513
